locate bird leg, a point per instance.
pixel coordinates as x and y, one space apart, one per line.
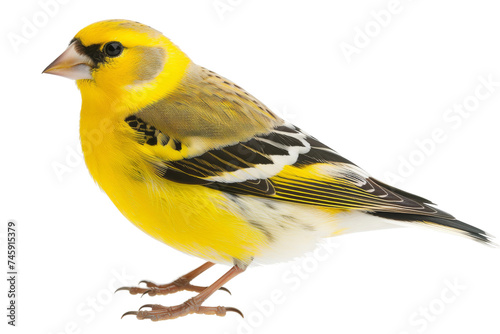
192 305
180 284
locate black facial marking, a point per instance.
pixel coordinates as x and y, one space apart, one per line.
94 52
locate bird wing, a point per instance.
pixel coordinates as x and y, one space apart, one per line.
285 164
212 133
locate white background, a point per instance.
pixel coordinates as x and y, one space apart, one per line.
394 91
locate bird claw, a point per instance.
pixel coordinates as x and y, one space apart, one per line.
149 284
159 312
225 289
235 310
129 313
153 289
153 307
150 292
132 290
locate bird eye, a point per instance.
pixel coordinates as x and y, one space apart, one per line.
113 49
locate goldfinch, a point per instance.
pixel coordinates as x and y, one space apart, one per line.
195 161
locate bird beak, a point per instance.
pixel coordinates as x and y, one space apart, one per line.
71 64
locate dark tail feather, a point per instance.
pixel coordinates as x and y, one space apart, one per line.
452 225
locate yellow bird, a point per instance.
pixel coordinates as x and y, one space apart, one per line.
195 161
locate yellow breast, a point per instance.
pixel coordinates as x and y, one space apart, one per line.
192 219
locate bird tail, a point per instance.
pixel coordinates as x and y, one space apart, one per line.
447 224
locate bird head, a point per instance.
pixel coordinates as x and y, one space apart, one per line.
119 57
